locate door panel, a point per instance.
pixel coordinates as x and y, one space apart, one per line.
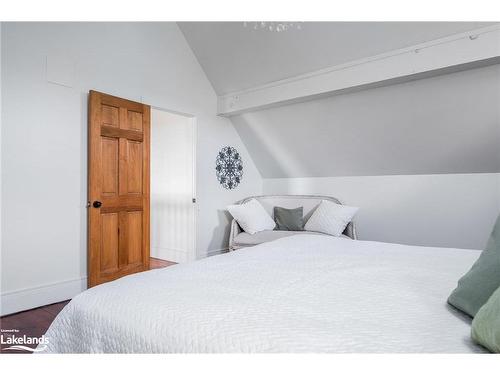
134 150
109 240
109 151
135 120
119 136
110 116
134 237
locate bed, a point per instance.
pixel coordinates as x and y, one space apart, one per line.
305 293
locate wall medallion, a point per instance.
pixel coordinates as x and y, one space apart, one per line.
229 167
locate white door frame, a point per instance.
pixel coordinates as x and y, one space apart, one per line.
193 122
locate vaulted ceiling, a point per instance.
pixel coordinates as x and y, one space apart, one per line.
444 124
235 57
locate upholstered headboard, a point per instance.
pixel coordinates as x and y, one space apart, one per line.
308 202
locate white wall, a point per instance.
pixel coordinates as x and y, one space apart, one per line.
1 126
498 192
447 210
44 143
173 222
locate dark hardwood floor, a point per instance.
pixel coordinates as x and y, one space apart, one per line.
32 323
159 263
35 322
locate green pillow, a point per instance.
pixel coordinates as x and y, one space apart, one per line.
486 324
289 219
477 285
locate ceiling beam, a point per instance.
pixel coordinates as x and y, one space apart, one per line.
462 51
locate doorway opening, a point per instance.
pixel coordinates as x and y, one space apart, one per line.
173 202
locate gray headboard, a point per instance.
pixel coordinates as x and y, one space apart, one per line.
308 202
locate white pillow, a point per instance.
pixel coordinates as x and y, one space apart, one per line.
330 218
251 216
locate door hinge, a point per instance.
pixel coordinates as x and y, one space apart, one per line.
194 200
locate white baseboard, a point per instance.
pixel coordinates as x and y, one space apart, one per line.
29 298
173 255
217 251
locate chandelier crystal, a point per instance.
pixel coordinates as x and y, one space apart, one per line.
273 26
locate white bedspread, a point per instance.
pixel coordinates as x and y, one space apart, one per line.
305 293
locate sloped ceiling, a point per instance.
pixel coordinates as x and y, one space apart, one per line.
444 124
236 58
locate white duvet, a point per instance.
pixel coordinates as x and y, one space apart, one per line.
306 293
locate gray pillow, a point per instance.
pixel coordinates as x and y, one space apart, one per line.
289 219
477 285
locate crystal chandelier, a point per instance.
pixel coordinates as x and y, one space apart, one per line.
274 26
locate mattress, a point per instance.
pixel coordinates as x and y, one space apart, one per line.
247 239
305 293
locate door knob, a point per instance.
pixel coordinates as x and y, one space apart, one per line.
97 204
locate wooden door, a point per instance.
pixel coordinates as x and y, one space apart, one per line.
118 187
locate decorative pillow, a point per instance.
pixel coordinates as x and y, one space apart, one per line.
251 216
330 218
486 324
289 219
477 285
